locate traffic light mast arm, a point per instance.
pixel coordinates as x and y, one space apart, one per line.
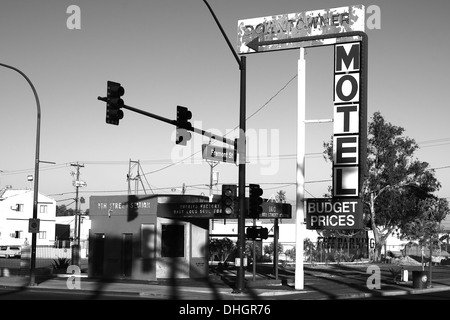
174 122
213 136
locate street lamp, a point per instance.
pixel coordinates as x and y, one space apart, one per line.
36 174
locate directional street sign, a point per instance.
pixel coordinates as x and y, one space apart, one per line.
216 153
289 31
79 183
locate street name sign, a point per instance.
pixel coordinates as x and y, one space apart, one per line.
215 153
289 31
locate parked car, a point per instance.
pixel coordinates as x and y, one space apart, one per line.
10 251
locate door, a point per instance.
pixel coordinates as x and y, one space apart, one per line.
98 251
127 254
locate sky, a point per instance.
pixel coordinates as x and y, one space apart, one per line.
169 53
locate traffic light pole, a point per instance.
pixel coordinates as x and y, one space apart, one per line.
242 161
242 156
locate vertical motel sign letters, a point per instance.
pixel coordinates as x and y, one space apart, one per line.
339 27
345 209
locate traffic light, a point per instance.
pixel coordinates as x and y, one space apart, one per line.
183 125
255 201
251 233
264 233
229 199
256 233
114 102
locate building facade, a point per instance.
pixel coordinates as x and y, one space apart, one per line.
148 237
16 208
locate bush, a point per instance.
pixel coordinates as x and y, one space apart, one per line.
61 263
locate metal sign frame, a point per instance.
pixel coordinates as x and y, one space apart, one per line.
280 32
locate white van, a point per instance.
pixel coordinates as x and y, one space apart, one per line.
10 251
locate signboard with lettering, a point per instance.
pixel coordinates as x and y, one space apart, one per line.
354 242
175 206
216 153
349 140
286 31
213 210
328 213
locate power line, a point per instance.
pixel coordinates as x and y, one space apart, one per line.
263 106
439 168
273 97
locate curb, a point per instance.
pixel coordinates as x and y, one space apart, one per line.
390 293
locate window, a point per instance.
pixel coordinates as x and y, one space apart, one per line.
17 234
172 240
42 234
43 208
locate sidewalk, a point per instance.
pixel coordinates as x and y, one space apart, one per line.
320 283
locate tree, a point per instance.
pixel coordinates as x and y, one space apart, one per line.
426 226
249 249
221 248
281 196
270 249
63 211
395 181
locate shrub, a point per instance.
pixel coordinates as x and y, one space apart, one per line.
61 263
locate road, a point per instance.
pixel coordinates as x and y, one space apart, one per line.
38 294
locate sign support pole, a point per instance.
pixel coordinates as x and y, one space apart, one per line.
301 130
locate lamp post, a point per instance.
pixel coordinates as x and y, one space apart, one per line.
36 174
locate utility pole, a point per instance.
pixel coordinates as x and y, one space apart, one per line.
76 236
212 164
136 178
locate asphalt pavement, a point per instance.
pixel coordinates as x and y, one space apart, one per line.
320 282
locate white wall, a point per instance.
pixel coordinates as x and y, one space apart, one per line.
13 220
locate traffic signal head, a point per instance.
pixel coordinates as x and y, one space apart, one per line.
182 136
256 233
264 233
114 102
229 199
251 233
183 125
255 201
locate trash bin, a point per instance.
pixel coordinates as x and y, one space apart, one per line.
420 279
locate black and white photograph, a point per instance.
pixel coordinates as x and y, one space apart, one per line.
222 159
